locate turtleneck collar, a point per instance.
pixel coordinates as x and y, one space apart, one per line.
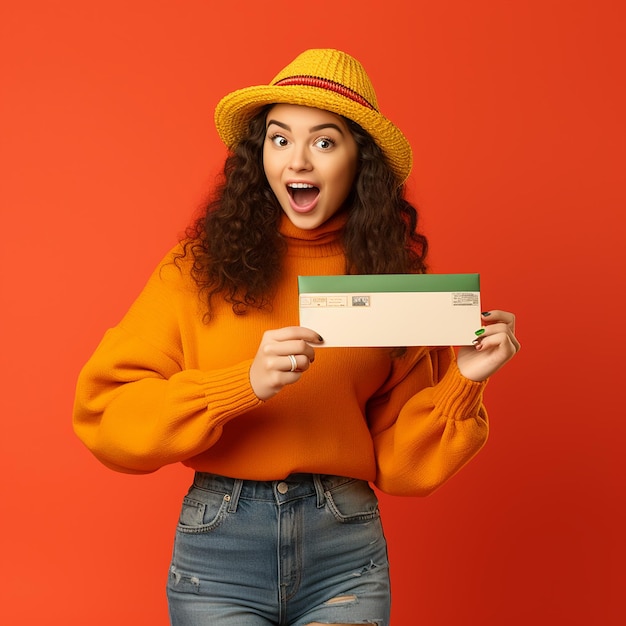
322 241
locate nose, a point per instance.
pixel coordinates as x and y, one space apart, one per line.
300 159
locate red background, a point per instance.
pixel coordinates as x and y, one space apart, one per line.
516 114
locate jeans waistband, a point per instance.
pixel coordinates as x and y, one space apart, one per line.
292 487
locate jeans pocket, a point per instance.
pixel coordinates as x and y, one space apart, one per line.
353 502
202 511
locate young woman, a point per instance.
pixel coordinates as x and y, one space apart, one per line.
210 368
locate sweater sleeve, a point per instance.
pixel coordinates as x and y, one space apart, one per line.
138 407
426 424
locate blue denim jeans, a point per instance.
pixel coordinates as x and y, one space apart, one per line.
309 548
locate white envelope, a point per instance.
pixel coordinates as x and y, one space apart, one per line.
391 309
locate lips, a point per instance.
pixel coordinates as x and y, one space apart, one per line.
302 196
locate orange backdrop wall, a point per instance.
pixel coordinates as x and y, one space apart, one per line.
516 114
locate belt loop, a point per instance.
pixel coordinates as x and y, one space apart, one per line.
234 496
319 490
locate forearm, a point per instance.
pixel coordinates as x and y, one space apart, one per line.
436 432
138 416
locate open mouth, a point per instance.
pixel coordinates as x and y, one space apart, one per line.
302 195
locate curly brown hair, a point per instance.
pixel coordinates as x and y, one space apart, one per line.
235 244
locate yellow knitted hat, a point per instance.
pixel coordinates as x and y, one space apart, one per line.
325 79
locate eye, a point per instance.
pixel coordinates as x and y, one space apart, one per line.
278 140
325 143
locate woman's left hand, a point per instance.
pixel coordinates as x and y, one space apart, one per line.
495 346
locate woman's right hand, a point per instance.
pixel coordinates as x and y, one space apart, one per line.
283 355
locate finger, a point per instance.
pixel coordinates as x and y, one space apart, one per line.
501 346
294 346
500 331
280 355
295 332
492 329
296 363
495 316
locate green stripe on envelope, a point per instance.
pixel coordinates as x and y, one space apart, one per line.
373 283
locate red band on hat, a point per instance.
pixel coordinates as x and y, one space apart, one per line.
323 83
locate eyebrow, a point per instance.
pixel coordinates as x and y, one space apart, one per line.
313 129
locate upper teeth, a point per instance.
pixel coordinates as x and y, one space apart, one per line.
300 186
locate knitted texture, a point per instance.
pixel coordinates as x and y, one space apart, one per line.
324 79
162 387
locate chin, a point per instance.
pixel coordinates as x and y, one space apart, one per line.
304 222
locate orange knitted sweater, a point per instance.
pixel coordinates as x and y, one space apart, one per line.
164 387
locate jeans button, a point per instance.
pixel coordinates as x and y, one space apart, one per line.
283 488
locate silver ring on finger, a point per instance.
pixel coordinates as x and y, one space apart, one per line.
294 363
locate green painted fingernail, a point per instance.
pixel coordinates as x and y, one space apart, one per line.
486 313
480 331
